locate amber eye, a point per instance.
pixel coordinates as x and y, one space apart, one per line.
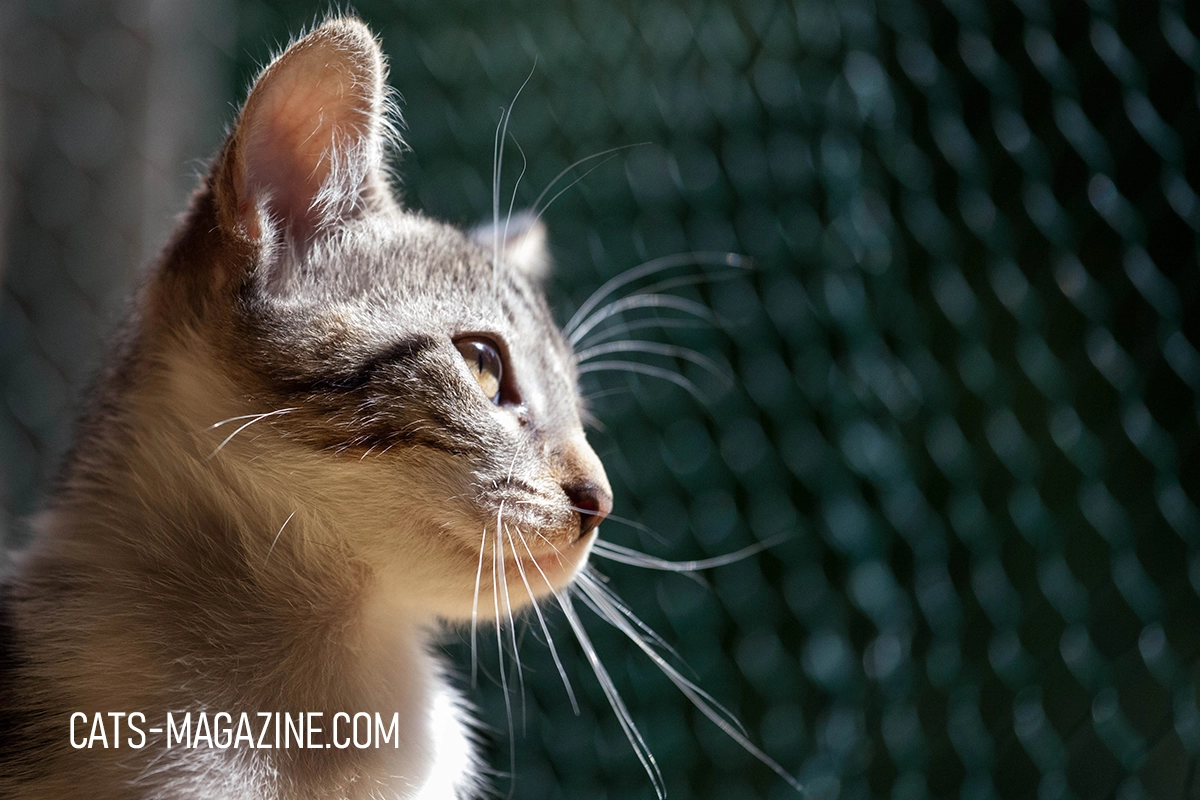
483 359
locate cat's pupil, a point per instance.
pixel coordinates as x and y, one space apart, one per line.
483 359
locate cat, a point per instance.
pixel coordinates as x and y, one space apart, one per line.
329 426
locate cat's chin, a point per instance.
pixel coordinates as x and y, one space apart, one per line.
499 580
551 569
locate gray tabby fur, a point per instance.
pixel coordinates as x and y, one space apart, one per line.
307 562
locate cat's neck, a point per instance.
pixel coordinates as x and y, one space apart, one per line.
199 589
200 629
189 568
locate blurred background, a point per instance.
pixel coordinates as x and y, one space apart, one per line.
966 377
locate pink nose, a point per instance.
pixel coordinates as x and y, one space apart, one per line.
592 503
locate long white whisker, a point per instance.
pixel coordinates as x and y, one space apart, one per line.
580 162
643 270
512 625
625 555
475 609
497 172
243 416
595 583
524 164
614 698
497 578
657 349
658 537
512 200
597 597
692 280
613 331
244 426
562 673
716 713
636 301
538 213
497 160
604 393
644 369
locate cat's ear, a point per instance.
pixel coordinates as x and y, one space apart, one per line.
521 241
307 148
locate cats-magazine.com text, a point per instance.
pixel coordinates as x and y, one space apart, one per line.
255 730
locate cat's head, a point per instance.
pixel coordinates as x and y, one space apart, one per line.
421 410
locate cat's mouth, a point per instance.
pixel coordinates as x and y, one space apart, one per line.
545 570
520 547
529 544
535 537
536 521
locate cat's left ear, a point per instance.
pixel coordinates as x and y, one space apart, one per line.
307 149
521 241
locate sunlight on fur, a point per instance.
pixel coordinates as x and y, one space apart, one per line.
289 481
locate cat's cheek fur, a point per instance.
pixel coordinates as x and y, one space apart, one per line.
414 520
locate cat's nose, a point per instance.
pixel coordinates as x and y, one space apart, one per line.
592 502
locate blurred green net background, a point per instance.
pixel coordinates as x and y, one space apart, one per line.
965 367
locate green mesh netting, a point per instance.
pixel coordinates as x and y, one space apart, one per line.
965 367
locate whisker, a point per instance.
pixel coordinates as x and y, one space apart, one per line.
625 555
643 270
277 535
645 369
498 567
512 625
525 163
243 416
389 447
512 200
497 159
256 418
580 162
562 673
543 537
524 626
614 698
537 214
693 280
605 392
636 301
475 609
716 713
604 334
590 420
578 178
658 537
657 349
595 581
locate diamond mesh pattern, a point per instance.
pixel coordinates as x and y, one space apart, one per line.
965 365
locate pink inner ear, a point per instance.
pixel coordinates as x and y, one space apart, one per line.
307 138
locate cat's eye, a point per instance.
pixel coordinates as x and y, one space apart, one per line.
484 361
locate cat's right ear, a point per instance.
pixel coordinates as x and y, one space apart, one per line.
307 149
